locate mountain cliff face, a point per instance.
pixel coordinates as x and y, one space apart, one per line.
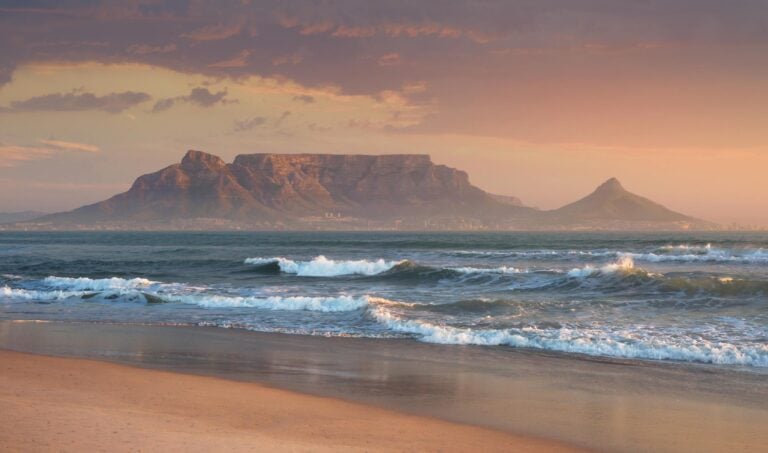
326 191
287 187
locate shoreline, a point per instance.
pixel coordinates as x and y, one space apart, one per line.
594 403
72 404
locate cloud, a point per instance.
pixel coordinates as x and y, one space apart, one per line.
404 29
216 32
305 98
289 59
390 59
258 121
12 155
164 104
282 118
240 61
78 101
145 49
198 96
249 124
70 146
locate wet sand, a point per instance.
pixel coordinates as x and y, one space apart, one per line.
607 405
65 404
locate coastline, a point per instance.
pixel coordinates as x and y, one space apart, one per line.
71 404
603 404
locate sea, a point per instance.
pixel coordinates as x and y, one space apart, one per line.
687 297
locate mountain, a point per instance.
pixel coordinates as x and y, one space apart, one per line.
327 191
268 190
612 204
20 216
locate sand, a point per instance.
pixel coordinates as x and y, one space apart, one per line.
67 404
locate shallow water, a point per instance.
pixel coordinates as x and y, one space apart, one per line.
690 297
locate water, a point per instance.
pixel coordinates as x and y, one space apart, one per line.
691 297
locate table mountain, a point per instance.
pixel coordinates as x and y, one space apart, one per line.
329 191
297 187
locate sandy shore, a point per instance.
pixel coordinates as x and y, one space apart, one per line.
63 404
140 386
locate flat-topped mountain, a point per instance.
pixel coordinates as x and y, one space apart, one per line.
329 191
269 188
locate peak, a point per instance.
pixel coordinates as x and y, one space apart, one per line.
198 159
612 185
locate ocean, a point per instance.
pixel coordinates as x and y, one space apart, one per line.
690 297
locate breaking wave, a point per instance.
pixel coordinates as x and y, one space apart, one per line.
589 341
305 303
100 284
424 321
321 266
703 254
624 265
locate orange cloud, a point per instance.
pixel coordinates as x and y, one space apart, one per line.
11 155
71 146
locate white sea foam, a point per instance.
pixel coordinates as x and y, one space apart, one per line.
27 294
624 264
322 304
489 270
99 284
593 341
703 253
321 266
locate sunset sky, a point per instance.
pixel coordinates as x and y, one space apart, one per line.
541 99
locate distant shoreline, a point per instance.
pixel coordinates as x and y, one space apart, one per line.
611 405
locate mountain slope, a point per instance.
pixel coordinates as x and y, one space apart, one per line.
20 216
327 191
289 187
613 203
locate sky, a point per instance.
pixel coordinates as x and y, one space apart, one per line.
539 99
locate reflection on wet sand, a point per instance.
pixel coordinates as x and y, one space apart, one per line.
607 404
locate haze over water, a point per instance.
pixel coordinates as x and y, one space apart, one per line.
684 297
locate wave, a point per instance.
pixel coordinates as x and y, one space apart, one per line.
293 303
595 342
99 284
321 266
487 270
624 265
34 295
703 255
117 289
668 253
624 275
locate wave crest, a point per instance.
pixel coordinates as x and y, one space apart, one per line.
321 266
99 284
596 342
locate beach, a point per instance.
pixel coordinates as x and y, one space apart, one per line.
56 404
153 388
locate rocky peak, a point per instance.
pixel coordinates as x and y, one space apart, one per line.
610 187
196 161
